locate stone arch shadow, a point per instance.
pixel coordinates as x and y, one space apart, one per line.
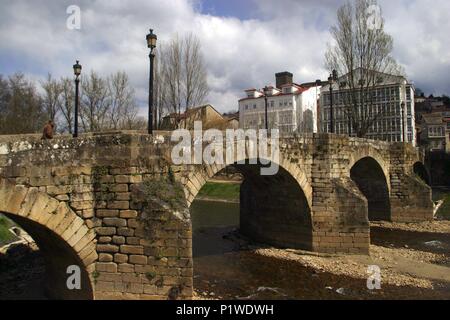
369 176
420 170
62 237
273 209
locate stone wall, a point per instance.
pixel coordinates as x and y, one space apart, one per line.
99 178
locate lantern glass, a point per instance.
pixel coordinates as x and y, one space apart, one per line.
77 69
151 40
335 75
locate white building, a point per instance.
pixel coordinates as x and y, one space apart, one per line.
291 108
392 108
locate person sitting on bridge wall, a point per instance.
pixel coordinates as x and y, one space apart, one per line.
48 131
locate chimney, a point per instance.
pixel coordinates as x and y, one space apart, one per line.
283 78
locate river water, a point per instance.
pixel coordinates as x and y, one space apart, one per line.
224 270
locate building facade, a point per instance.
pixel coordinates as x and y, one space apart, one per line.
435 133
207 115
291 108
392 108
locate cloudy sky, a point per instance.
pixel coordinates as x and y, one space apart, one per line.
244 42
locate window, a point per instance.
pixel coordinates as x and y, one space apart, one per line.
409 111
410 137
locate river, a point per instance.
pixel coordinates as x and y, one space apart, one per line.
222 270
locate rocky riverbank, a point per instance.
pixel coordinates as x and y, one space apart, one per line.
414 260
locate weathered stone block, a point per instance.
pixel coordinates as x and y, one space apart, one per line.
107 213
127 232
106 231
138 259
120 258
118 240
104 257
118 205
108 248
110 267
132 249
128 214
114 222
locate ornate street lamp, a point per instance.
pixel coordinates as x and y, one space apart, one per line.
266 94
151 43
331 80
77 72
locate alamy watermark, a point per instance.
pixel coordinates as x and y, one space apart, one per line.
234 146
74 280
73 22
374 279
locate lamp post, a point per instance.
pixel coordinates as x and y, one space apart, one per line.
266 94
331 80
77 71
318 84
403 121
151 43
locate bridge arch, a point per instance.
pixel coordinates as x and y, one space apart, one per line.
198 178
421 171
361 153
62 237
369 176
263 199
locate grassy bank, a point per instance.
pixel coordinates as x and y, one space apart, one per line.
5 235
220 191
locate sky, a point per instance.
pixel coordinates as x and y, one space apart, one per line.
244 42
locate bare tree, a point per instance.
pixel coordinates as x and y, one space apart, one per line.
66 104
194 72
181 75
52 92
122 110
362 52
20 105
95 103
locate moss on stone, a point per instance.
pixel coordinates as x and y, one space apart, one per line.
166 190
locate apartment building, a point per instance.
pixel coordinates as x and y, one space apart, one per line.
392 107
291 108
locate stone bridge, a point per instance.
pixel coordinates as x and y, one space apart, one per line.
116 206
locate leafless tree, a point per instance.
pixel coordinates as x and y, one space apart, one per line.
66 104
194 75
181 75
94 103
122 110
52 93
362 51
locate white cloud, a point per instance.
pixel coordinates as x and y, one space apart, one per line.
288 35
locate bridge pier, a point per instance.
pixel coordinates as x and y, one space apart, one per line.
340 222
411 197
